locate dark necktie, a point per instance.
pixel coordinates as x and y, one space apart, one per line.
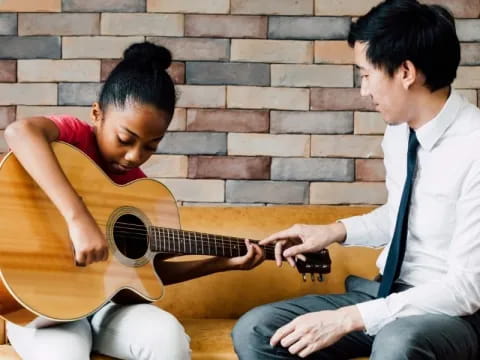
399 239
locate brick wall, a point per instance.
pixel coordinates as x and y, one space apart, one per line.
269 110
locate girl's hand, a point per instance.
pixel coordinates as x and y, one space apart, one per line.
251 259
88 241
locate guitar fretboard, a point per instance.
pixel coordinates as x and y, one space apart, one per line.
178 241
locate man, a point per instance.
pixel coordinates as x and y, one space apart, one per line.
425 304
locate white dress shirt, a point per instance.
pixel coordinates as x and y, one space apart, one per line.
442 258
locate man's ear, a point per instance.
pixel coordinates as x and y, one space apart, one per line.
409 74
96 114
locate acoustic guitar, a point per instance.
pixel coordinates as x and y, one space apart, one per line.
42 285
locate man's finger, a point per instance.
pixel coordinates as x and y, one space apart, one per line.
281 333
295 250
284 234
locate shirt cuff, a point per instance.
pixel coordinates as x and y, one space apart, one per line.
375 315
355 231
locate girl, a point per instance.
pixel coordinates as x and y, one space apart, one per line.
132 115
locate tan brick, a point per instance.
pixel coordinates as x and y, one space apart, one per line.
347 193
227 120
343 7
459 8
268 145
347 146
333 52
97 46
272 51
339 99
251 97
142 24
196 190
58 24
176 70
368 123
469 94
369 170
28 94
81 112
195 49
229 167
7 116
468 77
312 75
30 6
273 7
179 121
189 6
58 70
201 96
8 71
226 26
166 166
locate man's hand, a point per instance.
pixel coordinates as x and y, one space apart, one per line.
301 239
317 330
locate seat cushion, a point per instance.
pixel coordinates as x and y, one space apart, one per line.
210 340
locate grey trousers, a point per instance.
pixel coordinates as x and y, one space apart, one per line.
415 337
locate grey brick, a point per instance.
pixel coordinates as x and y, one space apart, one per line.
78 93
8 24
468 29
470 54
29 47
313 169
198 143
311 122
218 73
274 192
104 5
314 28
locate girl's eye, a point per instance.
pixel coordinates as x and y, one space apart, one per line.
122 141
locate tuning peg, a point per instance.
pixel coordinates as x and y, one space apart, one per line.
320 277
304 277
312 277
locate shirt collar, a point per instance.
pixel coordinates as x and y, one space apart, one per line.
432 131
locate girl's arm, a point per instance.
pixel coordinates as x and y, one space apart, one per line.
29 140
172 272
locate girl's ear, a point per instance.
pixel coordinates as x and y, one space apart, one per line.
96 114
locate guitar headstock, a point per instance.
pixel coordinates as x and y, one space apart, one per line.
315 264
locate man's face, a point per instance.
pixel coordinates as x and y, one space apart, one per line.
387 93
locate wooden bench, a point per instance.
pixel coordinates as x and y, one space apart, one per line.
208 307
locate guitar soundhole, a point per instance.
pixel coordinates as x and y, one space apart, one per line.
131 236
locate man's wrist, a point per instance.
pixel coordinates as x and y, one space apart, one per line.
339 232
352 318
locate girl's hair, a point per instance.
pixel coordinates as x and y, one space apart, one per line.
141 77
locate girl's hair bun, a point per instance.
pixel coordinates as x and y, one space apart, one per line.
147 52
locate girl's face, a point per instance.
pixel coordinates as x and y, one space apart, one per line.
127 137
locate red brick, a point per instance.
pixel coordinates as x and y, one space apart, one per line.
8 70
176 70
459 8
339 99
369 170
229 167
7 115
228 120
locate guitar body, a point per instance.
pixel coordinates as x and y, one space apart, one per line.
39 279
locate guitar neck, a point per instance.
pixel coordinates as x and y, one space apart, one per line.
176 241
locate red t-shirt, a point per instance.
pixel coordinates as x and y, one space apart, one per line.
79 134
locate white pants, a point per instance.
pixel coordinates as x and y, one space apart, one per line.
134 332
